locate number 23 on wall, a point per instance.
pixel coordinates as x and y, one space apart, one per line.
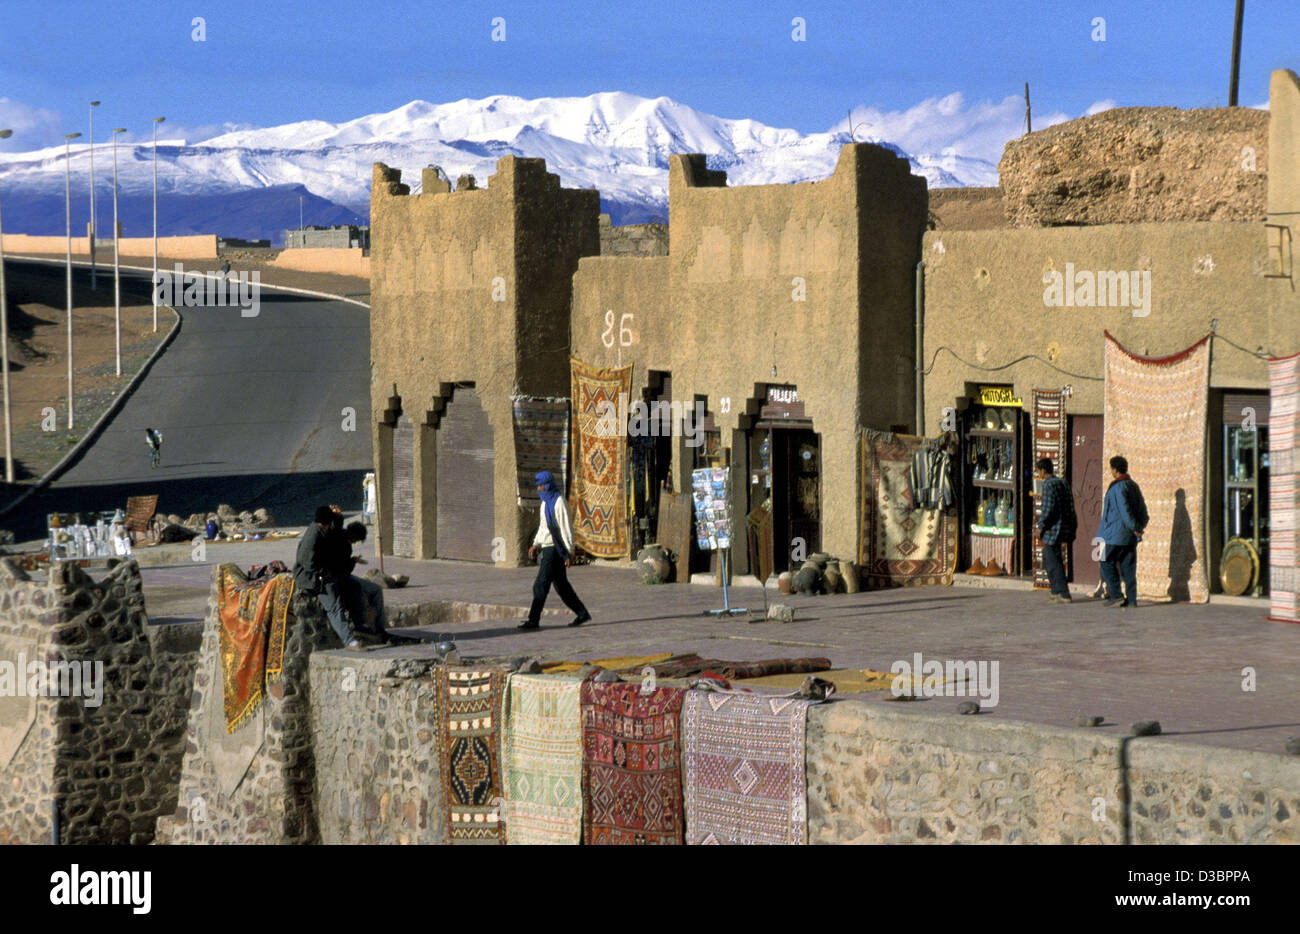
625 336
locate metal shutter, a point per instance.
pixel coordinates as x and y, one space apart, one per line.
404 487
466 523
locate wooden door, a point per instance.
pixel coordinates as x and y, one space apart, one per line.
1087 484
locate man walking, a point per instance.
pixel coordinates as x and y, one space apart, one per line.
555 540
154 440
1123 520
314 573
1057 526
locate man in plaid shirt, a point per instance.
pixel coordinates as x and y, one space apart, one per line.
1057 526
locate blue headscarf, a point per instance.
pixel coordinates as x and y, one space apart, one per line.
550 493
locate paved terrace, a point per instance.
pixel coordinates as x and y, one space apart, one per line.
1179 664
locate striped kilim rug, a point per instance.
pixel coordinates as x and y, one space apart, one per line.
1284 489
631 763
1156 412
1052 441
599 499
543 761
471 705
900 546
541 441
743 767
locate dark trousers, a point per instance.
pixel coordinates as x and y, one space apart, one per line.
363 595
1121 561
1054 565
333 600
551 571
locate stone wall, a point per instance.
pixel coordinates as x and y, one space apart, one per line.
632 239
194 246
112 768
342 261
876 775
1137 165
374 729
967 209
256 786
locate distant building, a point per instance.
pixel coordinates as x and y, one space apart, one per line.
340 236
231 243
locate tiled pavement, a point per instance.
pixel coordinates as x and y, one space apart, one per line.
1181 665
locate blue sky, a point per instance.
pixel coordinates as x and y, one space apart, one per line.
277 61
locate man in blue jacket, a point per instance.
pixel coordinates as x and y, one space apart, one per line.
1057 526
1123 520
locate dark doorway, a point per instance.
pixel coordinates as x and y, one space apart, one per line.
786 475
1087 486
650 459
404 487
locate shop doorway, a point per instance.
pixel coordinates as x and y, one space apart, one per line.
1086 484
785 476
650 460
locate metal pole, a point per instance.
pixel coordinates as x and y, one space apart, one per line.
117 271
4 349
94 229
1029 127
156 121
67 203
1236 54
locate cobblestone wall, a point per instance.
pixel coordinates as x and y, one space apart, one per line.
632 239
273 800
374 728
880 776
110 756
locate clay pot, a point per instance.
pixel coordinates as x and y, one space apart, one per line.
834 579
809 579
784 582
849 570
819 560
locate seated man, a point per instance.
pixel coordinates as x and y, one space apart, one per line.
365 599
314 572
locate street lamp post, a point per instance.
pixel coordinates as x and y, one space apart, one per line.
156 121
67 203
94 230
117 271
4 349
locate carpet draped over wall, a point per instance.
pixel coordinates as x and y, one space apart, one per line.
471 708
744 768
1284 489
1156 417
631 763
254 619
543 761
900 546
599 498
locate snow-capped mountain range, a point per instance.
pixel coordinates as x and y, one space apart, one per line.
615 142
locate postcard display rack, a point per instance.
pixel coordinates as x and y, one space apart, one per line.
73 537
714 527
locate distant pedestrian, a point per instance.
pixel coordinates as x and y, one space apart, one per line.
154 440
554 538
1123 520
225 269
1057 527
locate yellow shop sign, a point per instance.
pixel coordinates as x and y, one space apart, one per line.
999 395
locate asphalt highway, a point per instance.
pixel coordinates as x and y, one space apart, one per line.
267 410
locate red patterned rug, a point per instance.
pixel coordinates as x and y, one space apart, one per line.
254 619
1156 412
900 546
599 498
631 764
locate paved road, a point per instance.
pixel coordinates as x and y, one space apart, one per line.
252 412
